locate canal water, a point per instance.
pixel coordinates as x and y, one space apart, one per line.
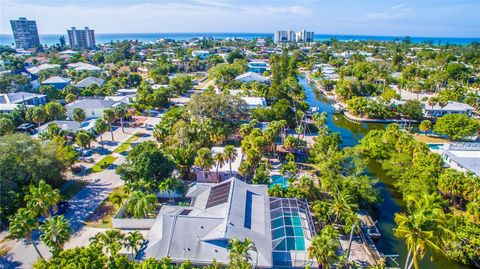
392 201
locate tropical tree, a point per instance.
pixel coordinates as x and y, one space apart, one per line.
70 98
78 115
239 252
55 233
324 247
120 112
219 160
141 204
134 240
38 115
23 224
6 126
341 206
100 127
42 198
425 126
204 160
230 155
109 118
83 139
111 241
184 158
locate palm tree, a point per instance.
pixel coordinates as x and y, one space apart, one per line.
425 126
109 118
39 115
140 204
230 155
184 158
342 205
22 225
134 240
111 241
324 246
83 140
40 199
170 184
219 160
120 112
78 115
422 227
239 250
55 233
100 127
204 160
116 199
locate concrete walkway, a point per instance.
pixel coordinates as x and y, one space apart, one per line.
82 205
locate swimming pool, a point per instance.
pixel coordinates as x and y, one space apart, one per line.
278 180
435 146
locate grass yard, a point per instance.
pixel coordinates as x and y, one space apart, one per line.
430 139
125 145
102 216
103 164
73 187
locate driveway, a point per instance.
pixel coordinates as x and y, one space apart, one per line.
82 205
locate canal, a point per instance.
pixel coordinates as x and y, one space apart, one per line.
392 201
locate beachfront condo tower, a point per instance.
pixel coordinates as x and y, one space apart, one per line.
81 39
25 33
292 36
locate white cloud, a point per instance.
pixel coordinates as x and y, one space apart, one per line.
392 13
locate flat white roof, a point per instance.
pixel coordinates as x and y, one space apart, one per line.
226 167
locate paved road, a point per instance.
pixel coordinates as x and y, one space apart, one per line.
83 204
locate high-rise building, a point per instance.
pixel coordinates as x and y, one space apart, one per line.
81 39
25 33
292 36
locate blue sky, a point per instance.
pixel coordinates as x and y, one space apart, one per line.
442 18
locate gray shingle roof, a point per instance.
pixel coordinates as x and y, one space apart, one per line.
18 97
89 81
92 104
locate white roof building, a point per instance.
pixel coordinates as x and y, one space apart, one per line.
463 157
450 108
84 67
281 229
254 102
252 76
223 172
36 69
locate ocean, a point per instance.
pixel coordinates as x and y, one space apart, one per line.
147 37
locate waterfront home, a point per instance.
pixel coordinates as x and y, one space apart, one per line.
464 157
93 107
223 172
57 82
69 125
449 108
255 102
36 69
202 54
88 81
258 67
251 76
84 67
280 228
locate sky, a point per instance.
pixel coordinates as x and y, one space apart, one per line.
424 18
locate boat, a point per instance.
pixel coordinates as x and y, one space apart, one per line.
368 224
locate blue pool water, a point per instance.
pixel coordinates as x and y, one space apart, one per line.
435 146
278 179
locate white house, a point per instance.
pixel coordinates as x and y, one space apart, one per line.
36 69
84 67
464 157
280 228
252 76
450 108
90 81
255 102
202 54
93 107
223 172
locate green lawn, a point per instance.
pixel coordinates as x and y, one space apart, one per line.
103 164
125 145
73 188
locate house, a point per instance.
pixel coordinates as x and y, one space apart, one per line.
90 81
68 125
449 108
93 107
464 157
223 172
254 102
127 91
258 67
251 76
57 82
10 101
202 54
280 228
84 67
36 69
